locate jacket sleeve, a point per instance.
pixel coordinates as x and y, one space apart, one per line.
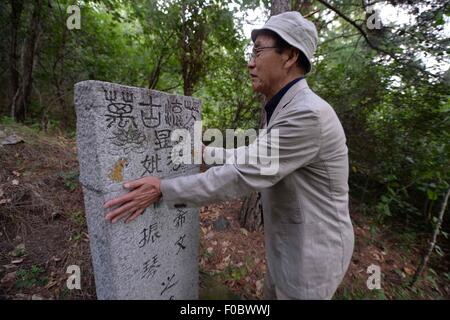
292 141
215 155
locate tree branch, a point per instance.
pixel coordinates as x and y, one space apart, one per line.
370 43
433 240
355 25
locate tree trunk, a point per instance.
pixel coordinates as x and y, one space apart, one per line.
251 214
156 71
58 80
28 62
279 6
16 13
194 31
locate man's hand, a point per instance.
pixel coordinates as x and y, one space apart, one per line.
145 191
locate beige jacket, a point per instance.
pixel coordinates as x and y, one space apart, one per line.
308 233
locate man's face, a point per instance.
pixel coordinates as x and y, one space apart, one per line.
266 69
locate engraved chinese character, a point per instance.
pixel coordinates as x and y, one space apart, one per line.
121 113
180 218
180 243
151 164
194 109
168 284
127 97
163 139
174 114
176 162
110 95
151 117
150 267
149 234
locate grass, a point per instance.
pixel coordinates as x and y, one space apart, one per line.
70 179
78 218
76 236
18 252
26 278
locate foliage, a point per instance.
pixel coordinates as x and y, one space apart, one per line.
385 83
394 109
70 179
29 277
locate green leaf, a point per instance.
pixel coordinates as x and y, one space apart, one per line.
432 195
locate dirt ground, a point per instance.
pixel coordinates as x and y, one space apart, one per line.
43 230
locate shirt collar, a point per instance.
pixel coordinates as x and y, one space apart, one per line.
275 100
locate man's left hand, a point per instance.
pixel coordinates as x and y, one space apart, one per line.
145 191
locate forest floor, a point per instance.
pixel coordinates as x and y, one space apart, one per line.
43 230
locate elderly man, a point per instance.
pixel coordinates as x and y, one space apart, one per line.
308 233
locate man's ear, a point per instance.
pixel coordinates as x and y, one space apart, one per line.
292 57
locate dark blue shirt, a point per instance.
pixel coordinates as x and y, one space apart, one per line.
275 100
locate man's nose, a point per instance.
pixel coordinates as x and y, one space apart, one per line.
251 63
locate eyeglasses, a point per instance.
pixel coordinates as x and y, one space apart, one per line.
256 52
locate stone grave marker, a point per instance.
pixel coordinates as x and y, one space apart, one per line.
123 134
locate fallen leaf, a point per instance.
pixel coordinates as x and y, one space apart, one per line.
409 271
220 266
9 277
51 284
377 257
9 266
259 287
3 201
209 235
244 231
18 251
17 261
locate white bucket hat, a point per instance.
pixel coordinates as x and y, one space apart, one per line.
295 30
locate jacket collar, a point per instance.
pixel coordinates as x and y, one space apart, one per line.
288 96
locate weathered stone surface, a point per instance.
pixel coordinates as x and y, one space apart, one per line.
123 133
